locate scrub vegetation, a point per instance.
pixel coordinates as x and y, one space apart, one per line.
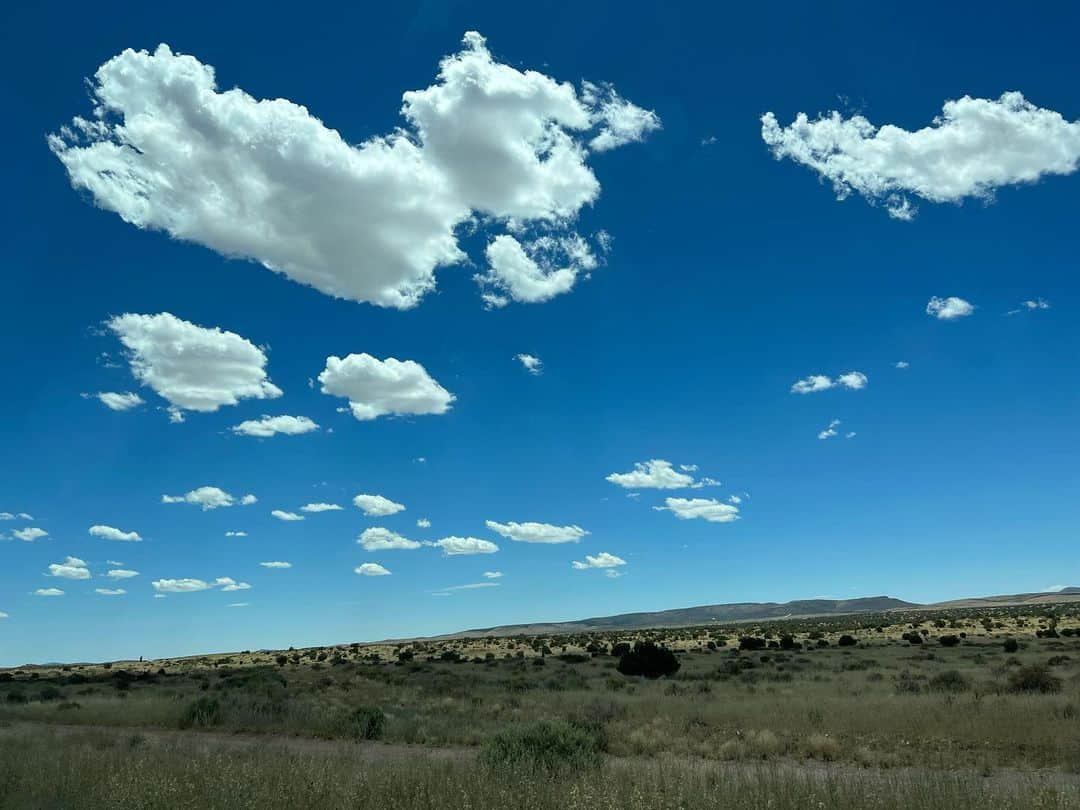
957 709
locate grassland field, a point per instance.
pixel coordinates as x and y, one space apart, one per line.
958 709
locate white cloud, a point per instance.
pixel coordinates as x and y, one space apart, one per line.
975 146
470 587
1030 305
110 591
272 425
109 533
850 434
239 604
119 401
188 585
534 271
276 564
48 592
735 499
533 365
454 546
854 380
622 122
601 560
4 615
537 532
493 574
266 180
377 505
209 498
29 534
71 568
654 474
830 431
192 367
321 507
379 539
286 516
236 534
388 387
949 309
121 573
6 516
423 523
901 364
371 570
704 508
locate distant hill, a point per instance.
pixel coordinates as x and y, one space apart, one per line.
760 611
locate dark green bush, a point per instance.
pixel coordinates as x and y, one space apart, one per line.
366 723
1034 678
751 643
1011 645
649 660
201 713
949 681
948 641
846 641
547 745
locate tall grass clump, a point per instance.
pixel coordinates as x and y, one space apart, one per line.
547 745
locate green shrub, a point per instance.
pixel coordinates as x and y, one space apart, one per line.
846 641
649 660
201 713
547 745
1011 645
948 641
366 723
949 681
1034 678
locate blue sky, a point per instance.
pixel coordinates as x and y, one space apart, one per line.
706 277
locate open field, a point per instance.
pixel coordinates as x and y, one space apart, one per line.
959 708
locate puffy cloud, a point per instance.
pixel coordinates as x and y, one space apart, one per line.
377 388
949 309
192 367
704 508
622 122
209 498
601 560
454 546
377 505
901 364
371 570
537 532
276 564
48 592
109 533
121 573
266 180
534 271
4 615
236 534
29 534
654 474
71 568
188 585
272 425
119 401
320 507
493 574
423 523
830 431
854 380
975 146
533 365
379 539
286 516
110 591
